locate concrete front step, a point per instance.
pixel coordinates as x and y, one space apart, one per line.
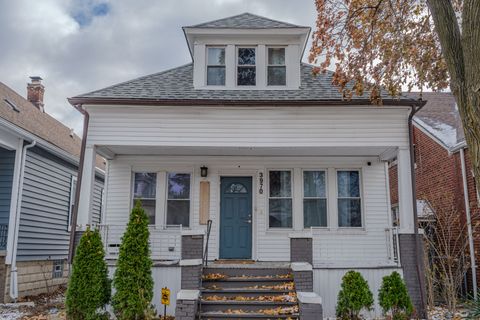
247 306
230 294
219 315
236 272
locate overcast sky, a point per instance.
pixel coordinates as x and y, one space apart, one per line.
78 46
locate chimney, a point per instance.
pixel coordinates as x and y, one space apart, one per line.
35 91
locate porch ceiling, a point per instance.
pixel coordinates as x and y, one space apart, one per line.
384 152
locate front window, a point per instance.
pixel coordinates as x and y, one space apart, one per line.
276 71
349 200
144 190
246 70
314 199
216 66
280 199
178 200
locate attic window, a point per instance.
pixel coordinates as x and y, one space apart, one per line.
11 105
276 67
216 66
246 70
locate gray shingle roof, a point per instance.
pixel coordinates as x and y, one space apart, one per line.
177 84
245 21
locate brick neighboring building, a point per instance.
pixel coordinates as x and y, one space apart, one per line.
439 143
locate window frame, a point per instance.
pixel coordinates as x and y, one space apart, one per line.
71 202
268 65
292 197
237 48
361 197
190 199
326 197
132 193
215 65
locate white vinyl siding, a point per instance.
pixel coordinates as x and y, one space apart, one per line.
249 127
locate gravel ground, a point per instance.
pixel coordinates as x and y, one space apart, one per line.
42 307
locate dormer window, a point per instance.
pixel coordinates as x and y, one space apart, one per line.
216 66
276 72
246 69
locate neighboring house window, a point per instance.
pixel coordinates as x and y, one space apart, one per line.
216 66
349 200
314 199
144 189
57 270
246 70
178 199
395 216
276 70
73 191
280 199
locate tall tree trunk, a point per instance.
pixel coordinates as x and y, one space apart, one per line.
461 50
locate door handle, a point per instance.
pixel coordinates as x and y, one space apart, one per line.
248 221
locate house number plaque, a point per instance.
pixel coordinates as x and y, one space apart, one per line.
260 182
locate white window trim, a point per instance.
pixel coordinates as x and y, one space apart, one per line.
190 213
246 65
73 182
292 181
207 65
132 192
326 198
276 86
362 205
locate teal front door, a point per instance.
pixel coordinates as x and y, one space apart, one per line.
236 218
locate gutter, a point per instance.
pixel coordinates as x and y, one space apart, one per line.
418 248
73 222
13 271
469 225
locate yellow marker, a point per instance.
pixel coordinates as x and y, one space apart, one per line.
166 296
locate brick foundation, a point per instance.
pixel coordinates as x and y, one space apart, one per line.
310 306
303 280
187 304
35 277
416 288
301 250
191 277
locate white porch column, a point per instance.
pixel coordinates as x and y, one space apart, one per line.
405 200
86 191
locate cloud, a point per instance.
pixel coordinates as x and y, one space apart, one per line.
78 46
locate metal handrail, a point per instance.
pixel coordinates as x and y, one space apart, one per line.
205 253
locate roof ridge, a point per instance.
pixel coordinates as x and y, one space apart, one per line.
199 25
135 79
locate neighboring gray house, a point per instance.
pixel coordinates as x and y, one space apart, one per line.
38 169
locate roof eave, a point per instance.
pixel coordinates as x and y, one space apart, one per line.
209 102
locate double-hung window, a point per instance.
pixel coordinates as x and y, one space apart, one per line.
215 66
144 190
246 69
280 199
314 199
276 70
349 199
178 199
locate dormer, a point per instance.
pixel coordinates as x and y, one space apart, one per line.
246 52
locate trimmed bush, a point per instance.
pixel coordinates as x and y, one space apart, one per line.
393 297
354 296
89 287
133 276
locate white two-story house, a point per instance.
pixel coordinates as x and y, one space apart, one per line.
247 137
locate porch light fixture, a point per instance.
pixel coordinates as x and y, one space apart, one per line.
203 171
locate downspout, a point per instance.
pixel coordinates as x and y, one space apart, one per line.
13 269
418 250
469 224
73 222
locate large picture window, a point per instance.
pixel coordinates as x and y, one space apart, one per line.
178 199
216 66
276 70
349 199
144 190
314 199
246 70
280 199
